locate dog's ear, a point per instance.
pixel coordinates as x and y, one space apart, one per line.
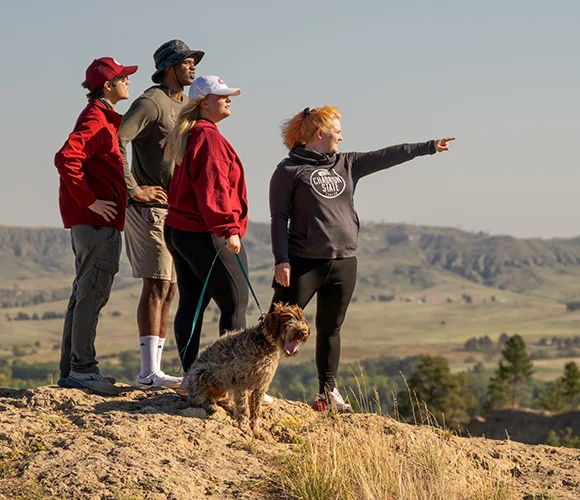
272 321
271 325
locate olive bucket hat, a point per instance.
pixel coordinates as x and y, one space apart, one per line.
171 53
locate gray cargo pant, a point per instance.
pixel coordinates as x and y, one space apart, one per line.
97 252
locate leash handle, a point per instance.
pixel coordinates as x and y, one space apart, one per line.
249 285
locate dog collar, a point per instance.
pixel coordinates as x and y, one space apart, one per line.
262 328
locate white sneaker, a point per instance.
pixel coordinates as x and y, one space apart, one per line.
158 379
267 399
334 402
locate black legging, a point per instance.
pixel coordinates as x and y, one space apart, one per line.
333 281
193 254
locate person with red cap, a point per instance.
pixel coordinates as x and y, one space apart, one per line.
92 198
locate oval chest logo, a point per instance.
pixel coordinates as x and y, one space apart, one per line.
327 183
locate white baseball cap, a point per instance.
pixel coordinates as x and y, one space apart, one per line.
209 84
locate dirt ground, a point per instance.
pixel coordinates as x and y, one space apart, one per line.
69 444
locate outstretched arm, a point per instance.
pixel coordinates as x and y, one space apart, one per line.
368 163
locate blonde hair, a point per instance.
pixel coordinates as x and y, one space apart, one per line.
299 129
176 142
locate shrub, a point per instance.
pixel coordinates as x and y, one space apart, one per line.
18 351
52 315
34 371
563 438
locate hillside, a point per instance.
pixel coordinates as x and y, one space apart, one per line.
69 444
34 252
397 257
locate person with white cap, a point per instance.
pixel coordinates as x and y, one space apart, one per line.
93 197
145 125
208 208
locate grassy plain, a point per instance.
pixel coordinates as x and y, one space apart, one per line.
402 327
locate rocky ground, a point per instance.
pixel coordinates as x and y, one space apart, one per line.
69 444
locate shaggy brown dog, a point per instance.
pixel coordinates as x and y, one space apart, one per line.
240 365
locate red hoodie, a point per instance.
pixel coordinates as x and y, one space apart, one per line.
208 190
91 167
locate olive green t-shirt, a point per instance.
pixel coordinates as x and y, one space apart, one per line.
145 124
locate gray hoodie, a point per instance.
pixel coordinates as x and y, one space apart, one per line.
312 199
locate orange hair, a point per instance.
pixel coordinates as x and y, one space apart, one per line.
299 129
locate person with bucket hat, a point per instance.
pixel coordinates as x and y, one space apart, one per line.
92 198
146 125
208 210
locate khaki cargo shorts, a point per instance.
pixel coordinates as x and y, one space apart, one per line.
145 245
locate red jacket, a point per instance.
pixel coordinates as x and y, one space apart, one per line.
208 190
91 167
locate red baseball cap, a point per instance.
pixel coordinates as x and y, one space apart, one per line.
104 69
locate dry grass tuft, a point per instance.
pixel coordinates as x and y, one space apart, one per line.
369 456
376 457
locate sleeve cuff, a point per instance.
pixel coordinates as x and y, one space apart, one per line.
230 232
432 149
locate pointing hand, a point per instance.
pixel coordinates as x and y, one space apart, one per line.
442 144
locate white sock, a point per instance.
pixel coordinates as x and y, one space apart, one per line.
160 344
148 348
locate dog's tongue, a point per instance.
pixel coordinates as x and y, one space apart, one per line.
291 347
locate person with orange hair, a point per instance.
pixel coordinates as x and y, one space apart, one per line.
314 227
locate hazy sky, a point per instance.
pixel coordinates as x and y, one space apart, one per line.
503 76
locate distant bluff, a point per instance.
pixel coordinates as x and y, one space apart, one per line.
416 254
